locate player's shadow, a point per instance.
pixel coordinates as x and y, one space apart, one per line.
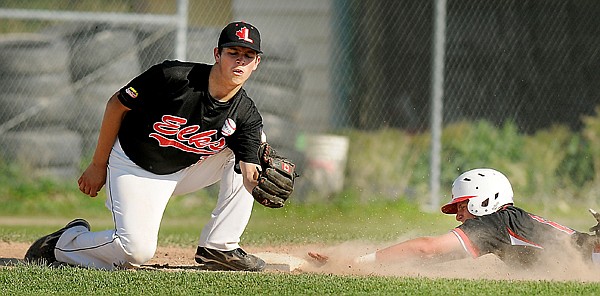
17 261
199 267
10 261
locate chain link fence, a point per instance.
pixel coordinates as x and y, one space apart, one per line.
534 62
328 65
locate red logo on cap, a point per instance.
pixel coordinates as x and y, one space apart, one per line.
243 34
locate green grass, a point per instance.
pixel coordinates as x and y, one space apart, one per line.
293 224
327 223
32 280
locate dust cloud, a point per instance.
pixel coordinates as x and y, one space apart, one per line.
564 265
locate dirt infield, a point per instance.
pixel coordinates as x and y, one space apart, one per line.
486 267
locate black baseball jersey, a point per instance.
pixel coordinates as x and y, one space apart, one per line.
514 235
174 122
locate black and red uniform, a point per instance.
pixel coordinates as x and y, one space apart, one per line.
174 122
514 235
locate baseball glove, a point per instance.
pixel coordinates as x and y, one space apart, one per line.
596 228
589 243
276 178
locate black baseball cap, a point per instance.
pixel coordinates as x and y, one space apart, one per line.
240 34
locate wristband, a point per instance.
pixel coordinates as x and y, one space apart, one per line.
369 258
596 258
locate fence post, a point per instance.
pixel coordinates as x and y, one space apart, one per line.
182 27
437 93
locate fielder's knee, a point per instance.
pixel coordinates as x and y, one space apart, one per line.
138 253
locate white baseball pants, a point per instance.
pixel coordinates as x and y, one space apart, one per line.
137 200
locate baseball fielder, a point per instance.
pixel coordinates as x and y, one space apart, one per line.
174 129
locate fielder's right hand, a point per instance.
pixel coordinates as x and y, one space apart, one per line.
92 180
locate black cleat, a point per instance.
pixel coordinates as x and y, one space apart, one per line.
235 260
42 250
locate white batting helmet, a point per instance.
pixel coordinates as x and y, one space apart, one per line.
486 189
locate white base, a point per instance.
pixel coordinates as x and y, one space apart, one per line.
281 262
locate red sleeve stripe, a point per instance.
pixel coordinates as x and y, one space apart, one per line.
466 242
